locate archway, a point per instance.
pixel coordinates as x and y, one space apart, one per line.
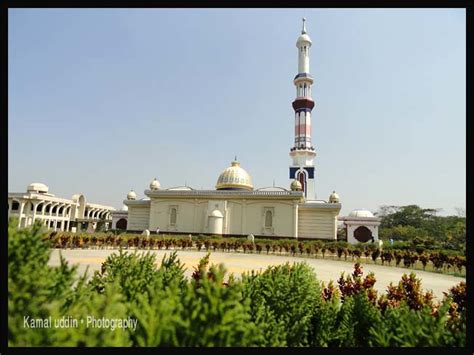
301 177
363 234
121 224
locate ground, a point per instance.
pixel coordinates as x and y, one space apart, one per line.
237 263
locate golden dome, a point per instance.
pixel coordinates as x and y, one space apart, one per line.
296 186
234 178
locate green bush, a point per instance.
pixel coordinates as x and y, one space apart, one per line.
291 293
284 305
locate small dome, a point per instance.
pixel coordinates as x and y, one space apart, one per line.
303 40
296 186
361 213
131 195
234 178
37 187
334 197
155 185
216 213
124 208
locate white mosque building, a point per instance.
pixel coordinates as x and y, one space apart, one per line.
235 207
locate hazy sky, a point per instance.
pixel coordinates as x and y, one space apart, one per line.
104 100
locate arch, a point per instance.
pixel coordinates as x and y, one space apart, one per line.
268 219
121 224
173 215
363 234
39 206
47 207
301 177
15 205
54 207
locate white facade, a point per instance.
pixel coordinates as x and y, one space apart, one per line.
61 214
266 212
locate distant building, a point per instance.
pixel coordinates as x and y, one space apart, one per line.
56 213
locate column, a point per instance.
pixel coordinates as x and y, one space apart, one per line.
244 216
22 206
34 212
295 219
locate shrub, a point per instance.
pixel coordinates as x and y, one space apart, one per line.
290 294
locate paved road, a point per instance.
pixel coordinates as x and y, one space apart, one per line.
237 263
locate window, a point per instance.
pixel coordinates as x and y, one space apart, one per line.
173 216
268 219
267 223
15 206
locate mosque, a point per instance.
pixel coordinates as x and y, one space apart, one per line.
236 208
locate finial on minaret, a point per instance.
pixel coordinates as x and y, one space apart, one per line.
303 31
235 158
273 182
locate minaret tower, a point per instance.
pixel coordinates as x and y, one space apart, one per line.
303 152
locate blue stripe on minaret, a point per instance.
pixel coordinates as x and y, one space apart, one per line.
309 170
303 109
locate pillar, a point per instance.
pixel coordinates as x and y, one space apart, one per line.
22 206
295 219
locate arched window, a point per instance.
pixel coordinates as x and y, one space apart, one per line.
15 206
302 180
268 219
173 215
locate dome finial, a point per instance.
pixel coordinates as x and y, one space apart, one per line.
303 31
235 158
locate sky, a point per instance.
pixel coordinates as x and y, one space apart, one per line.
101 101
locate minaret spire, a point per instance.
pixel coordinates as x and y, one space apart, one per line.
303 153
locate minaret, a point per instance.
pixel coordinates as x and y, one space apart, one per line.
303 152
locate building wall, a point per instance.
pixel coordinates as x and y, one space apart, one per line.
240 216
317 223
282 218
138 217
234 214
352 227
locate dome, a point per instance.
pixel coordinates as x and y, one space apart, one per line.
334 197
155 185
37 187
131 195
361 213
296 186
124 208
302 40
234 178
216 213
